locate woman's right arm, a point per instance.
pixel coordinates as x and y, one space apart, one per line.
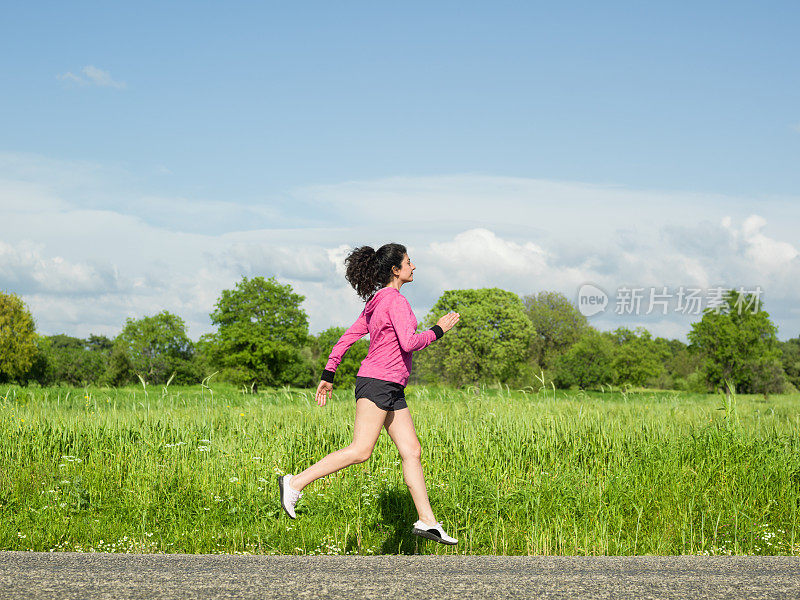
354 333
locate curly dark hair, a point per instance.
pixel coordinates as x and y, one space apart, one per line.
369 270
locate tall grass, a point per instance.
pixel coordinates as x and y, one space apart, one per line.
181 469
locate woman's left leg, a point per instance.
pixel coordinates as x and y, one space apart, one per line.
400 428
369 421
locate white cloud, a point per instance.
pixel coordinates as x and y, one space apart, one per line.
768 254
336 256
198 215
519 207
100 77
26 270
91 75
70 77
476 256
295 262
24 197
78 182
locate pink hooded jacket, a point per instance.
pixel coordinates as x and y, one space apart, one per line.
391 325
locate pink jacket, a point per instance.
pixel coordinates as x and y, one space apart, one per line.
390 322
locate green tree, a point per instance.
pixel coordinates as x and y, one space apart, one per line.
72 360
156 347
351 362
557 324
637 357
18 339
587 364
684 368
120 370
40 371
790 350
204 355
768 376
98 343
738 343
261 333
489 344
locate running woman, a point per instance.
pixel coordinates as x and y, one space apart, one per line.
377 277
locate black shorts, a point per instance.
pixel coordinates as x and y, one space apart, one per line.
387 395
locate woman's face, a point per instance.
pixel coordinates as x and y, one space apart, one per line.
406 271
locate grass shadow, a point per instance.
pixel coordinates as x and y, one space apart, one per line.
398 514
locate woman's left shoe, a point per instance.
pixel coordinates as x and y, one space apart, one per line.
289 495
433 532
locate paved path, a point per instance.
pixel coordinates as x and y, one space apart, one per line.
156 576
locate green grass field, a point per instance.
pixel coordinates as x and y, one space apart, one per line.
509 472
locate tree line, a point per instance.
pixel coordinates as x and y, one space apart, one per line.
261 338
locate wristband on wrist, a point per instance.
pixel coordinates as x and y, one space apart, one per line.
438 331
327 375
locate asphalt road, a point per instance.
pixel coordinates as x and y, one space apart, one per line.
98 575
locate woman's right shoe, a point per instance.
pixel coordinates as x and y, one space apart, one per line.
433 532
289 495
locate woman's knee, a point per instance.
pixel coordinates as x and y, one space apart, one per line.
359 454
411 452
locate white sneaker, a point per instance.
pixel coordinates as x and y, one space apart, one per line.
289 495
433 532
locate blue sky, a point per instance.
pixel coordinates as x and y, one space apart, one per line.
144 147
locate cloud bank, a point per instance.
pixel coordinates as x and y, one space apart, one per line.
85 250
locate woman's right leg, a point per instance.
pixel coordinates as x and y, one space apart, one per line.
369 421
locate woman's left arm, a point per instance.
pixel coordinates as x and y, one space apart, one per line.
405 325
